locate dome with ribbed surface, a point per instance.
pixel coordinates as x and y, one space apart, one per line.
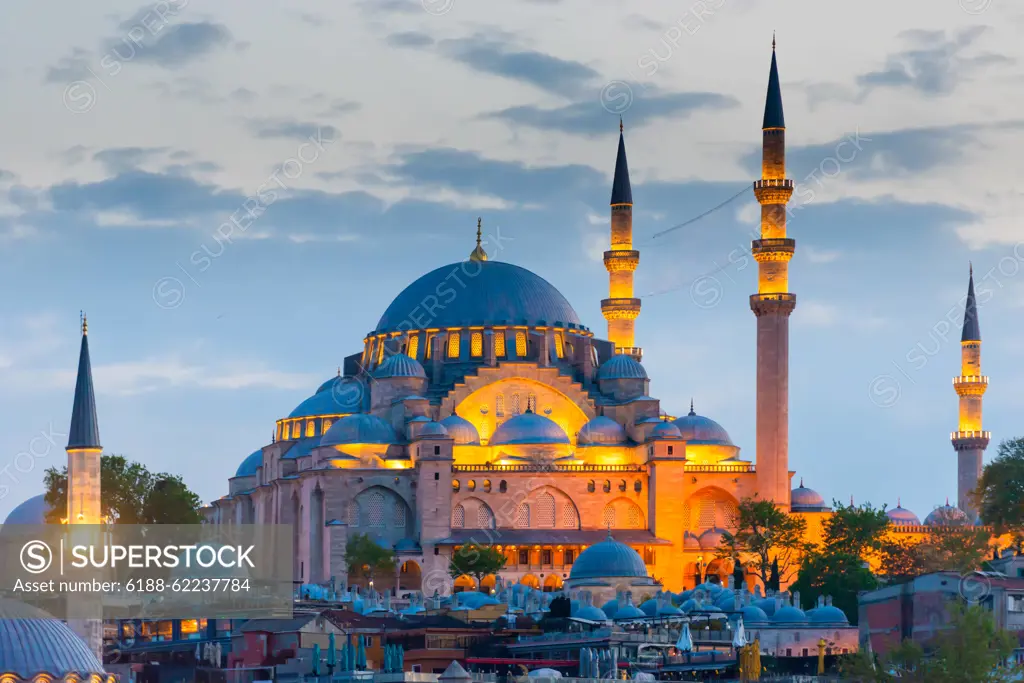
609 558
31 511
900 516
32 643
528 428
621 367
803 497
433 430
666 430
480 293
248 467
947 515
359 429
461 430
400 365
698 429
602 431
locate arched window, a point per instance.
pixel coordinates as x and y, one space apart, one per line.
458 517
559 345
471 485
455 485
503 486
484 518
515 404
567 519
638 486
607 486
414 346
476 344
453 344
353 513
499 344
327 425
487 485
499 406
428 343
523 516
380 351
398 514
284 431
622 485
633 517
375 509
310 429
521 344
608 517
546 511
531 403
591 487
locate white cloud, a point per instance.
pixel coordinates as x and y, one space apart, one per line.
815 255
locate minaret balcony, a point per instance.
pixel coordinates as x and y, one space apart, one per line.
621 259
634 352
778 303
970 385
620 309
970 440
773 190
773 182
773 249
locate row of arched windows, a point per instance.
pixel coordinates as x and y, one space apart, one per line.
638 486
515 404
453 345
304 428
471 485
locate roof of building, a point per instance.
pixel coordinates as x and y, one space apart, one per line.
602 431
461 430
609 558
32 643
697 429
621 366
491 293
359 429
621 191
400 365
773 117
433 430
900 516
945 515
85 426
528 428
31 511
803 497
278 625
828 614
249 466
666 430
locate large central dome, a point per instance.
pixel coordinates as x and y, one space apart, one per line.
477 293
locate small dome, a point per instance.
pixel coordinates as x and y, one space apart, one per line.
629 612
666 430
591 613
621 367
31 511
900 516
609 558
698 429
602 431
829 614
359 429
766 605
803 497
688 605
649 607
475 599
462 430
400 365
250 464
528 428
433 430
947 515
690 542
32 643
710 540
752 614
726 600
669 610
610 608
789 615
344 395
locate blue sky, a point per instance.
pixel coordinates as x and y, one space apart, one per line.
132 133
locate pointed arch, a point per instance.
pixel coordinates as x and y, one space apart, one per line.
623 513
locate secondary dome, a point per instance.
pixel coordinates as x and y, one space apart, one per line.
250 464
32 643
947 515
400 365
621 367
343 395
609 558
433 430
602 431
900 516
666 430
481 293
528 428
698 429
828 614
711 540
461 430
357 429
31 511
803 497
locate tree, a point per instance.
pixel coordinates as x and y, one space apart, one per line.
131 494
1000 492
771 536
954 545
900 559
367 558
971 650
476 561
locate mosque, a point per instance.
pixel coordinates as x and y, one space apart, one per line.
482 409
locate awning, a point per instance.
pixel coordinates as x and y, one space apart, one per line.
489 537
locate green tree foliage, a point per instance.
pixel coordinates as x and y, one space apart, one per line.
1000 493
971 650
476 561
768 536
366 558
131 494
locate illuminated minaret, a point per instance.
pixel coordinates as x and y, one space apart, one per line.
620 309
969 440
773 303
84 472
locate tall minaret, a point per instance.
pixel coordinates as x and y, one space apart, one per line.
969 440
84 472
773 303
620 309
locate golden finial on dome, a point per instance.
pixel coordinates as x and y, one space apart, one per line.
478 254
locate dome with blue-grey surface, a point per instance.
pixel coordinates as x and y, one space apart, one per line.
789 615
345 395
433 430
828 614
698 429
803 498
31 511
946 515
251 463
621 367
528 428
35 646
400 365
602 431
609 558
666 430
461 430
900 516
359 429
478 293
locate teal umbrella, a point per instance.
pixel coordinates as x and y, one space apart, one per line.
389 659
350 652
401 659
332 654
316 659
361 655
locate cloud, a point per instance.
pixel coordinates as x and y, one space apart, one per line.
73 67
175 45
291 130
391 6
413 39
120 159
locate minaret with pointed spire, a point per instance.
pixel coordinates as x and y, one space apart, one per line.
621 309
478 254
773 302
970 441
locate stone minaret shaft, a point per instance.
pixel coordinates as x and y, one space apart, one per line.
970 440
773 303
621 309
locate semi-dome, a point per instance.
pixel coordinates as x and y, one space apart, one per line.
710 540
31 511
400 365
609 558
494 293
690 542
621 367
528 428
33 643
602 431
900 516
345 395
461 430
248 467
698 429
803 497
666 430
359 429
945 516
828 614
